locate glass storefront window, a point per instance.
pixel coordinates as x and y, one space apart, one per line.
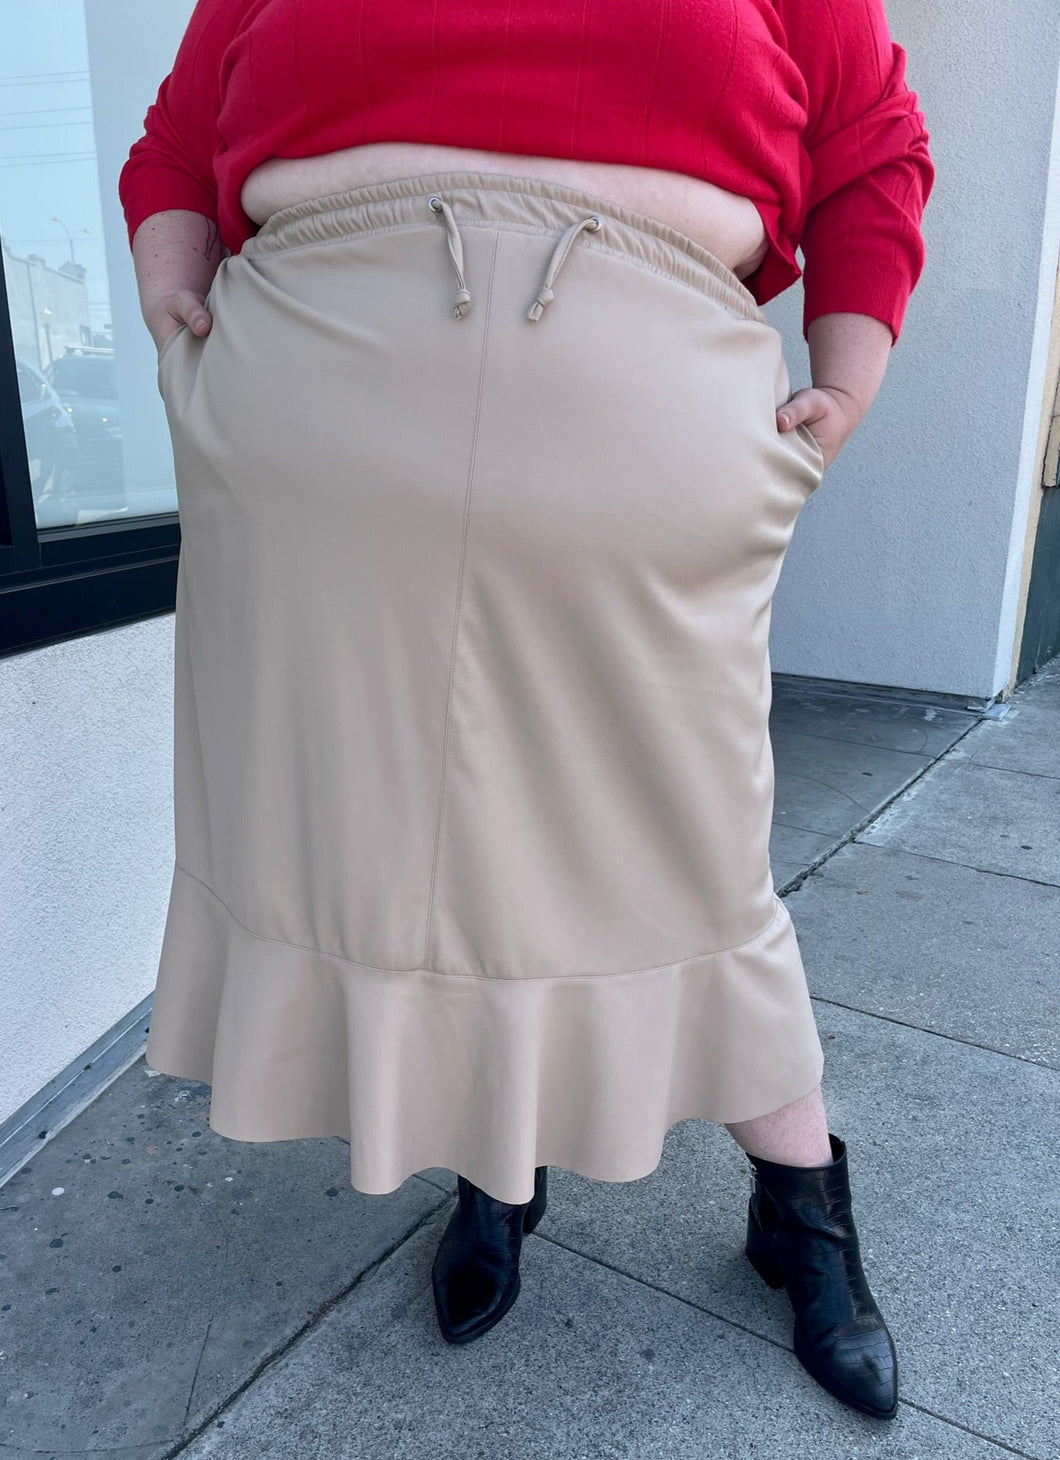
69 109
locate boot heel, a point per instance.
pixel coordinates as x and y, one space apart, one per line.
539 1201
764 1265
766 1268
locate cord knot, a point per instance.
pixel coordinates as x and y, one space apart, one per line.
537 309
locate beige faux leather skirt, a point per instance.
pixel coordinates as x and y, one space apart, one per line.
483 504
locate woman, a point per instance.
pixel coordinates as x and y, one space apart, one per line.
487 462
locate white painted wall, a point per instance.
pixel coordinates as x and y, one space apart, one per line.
901 572
904 568
86 842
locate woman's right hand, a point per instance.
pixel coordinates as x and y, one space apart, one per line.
176 247
181 307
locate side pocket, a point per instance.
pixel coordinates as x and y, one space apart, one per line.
808 453
163 354
810 440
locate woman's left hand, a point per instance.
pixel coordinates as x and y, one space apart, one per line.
830 413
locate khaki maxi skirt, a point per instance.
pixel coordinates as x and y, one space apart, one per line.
483 503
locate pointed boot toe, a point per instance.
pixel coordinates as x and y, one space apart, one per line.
861 1369
801 1236
471 1296
475 1275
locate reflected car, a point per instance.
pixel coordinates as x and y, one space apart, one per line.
51 440
86 380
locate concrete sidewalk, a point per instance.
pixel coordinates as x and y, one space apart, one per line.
165 1291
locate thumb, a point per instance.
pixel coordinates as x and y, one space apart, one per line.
794 410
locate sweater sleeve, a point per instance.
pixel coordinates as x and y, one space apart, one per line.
171 164
871 169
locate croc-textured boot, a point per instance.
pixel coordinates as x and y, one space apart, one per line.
801 1236
475 1276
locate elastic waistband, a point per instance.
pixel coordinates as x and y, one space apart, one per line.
532 204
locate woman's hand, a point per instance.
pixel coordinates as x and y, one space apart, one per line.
176 254
853 349
183 306
831 414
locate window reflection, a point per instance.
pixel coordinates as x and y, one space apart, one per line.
50 443
55 266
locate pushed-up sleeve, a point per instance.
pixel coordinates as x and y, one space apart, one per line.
171 164
862 244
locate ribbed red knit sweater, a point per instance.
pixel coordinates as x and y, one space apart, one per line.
800 105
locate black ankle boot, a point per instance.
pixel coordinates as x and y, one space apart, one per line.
476 1268
801 1236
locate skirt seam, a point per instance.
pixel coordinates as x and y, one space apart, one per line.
482 978
465 528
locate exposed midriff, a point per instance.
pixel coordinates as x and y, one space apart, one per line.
726 224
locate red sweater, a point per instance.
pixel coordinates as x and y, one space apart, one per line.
799 105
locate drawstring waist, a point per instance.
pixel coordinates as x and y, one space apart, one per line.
456 253
528 204
559 253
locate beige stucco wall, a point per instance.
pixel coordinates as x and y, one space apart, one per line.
906 565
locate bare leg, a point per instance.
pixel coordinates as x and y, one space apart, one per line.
794 1135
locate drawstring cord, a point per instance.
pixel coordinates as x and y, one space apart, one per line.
456 253
462 301
559 253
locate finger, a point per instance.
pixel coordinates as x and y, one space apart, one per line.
793 411
789 415
803 409
194 314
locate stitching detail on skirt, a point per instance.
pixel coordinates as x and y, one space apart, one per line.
478 977
468 495
531 230
317 215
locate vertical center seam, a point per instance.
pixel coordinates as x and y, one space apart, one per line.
447 732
